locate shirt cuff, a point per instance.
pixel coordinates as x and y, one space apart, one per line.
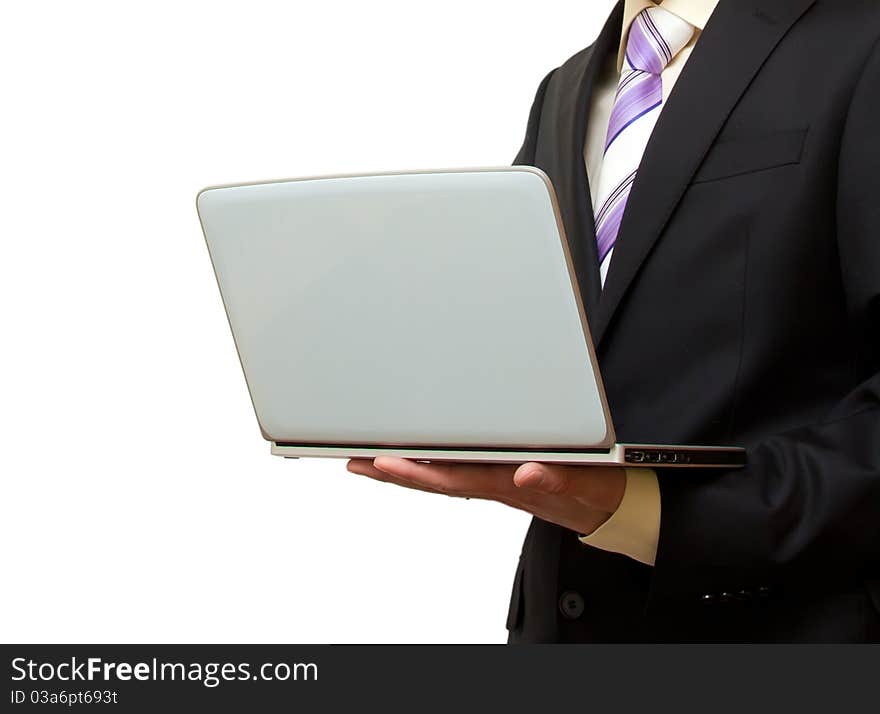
634 528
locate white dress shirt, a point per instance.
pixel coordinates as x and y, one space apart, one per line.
634 529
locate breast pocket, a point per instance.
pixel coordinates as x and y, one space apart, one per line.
737 156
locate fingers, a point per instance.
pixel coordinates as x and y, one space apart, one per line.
364 467
562 494
455 479
600 487
575 497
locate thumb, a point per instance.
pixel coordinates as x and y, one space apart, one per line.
543 478
600 487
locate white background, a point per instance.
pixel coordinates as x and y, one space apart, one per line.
139 502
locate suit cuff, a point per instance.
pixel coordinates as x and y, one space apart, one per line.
634 528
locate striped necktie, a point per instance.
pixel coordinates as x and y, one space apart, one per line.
655 37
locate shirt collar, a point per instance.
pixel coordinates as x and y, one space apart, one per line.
696 12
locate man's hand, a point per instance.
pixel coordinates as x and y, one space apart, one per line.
580 498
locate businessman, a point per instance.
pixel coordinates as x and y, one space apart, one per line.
717 166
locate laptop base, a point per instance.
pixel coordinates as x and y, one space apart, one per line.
628 455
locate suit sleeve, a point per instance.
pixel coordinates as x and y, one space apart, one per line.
526 154
806 509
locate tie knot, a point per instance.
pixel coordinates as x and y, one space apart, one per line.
655 37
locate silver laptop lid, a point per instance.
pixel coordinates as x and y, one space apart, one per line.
413 309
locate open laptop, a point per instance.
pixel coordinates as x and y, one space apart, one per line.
432 315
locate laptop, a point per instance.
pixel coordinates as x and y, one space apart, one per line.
432 315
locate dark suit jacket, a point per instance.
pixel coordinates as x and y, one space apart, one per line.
742 307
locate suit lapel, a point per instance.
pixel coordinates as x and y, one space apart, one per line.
567 169
735 43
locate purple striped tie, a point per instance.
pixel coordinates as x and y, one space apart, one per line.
655 37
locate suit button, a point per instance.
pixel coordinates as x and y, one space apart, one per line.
571 604
708 599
